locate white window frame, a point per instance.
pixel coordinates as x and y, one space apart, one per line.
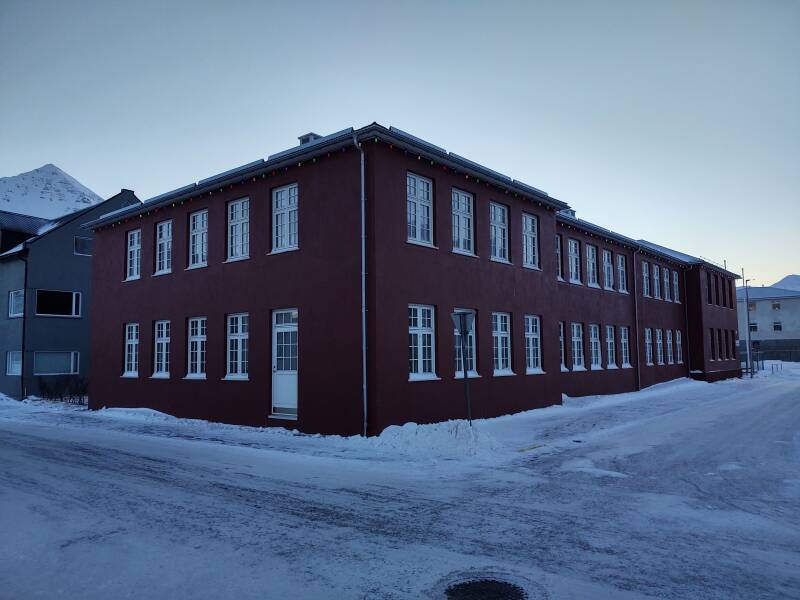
238 226
463 221
574 259
285 218
668 344
498 232
578 362
530 241
133 257
608 269
77 305
592 279
130 367
533 344
659 346
419 207
13 297
656 282
196 343
237 342
161 344
501 344
678 347
648 346
14 363
421 342
198 239
74 358
645 279
676 297
163 247
667 289
622 273
562 349
559 259
595 352
472 369
611 347
625 346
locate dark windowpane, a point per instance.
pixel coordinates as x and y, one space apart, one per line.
83 245
56 303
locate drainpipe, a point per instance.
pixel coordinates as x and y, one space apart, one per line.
22 390
687 345
636 271
363 288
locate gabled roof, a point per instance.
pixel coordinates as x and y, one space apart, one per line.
329 143
10 221
766 293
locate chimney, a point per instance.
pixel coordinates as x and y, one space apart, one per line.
308 137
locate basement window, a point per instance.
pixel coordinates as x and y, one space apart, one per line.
51 303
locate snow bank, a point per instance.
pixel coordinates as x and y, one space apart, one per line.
450 439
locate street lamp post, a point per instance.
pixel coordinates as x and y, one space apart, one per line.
747 312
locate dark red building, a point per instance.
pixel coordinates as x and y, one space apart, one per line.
314 290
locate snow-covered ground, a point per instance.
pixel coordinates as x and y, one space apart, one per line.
685 490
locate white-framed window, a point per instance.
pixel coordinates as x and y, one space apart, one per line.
14 362
421 342
678 347
163 247
591 265
533 344
133 261
670 355
659 347
470 347
622 273
161 349
608 270
530 240
676 297
82 246
56 363
501 343
198 238
574 257
197 348
648 346
284 218
577 347
595 356
420 209
559 262
56 303
239 229
16 303
498 231
238 337
667 290
611 347
656 283
625 346
463 222
645 279
561 345
131 366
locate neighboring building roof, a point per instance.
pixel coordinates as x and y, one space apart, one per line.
10 221
331 142
766 293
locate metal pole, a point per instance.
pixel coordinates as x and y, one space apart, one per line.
747 312
463 329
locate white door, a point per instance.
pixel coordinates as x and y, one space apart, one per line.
284 362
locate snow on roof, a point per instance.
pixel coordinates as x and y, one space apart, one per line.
13 250
10 221
687 258
766 293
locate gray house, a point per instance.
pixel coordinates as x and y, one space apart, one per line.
774 322
45 274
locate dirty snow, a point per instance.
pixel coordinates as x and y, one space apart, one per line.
684 490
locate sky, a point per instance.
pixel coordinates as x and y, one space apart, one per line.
676 122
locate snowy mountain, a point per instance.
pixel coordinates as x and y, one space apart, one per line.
44 192
790 282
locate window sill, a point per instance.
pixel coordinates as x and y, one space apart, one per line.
608 289
578 368
564 369
159 273
575 282
593 285
129 376
532 268
471 375
627 366
235 378
561 279
236 259
58 316
423 244
14 316
503 373
465 253
649 364
283 417
197 266
623 291
596 368
195 377
159 376
534 372
424 377
502 261
131 278
611 366
283 250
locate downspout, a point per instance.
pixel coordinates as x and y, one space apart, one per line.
636 271
687 346
22 390
363 288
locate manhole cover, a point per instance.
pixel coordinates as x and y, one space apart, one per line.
484 589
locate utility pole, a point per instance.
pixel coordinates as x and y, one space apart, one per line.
747 312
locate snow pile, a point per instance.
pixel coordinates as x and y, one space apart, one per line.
450 439
46 192
790 282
